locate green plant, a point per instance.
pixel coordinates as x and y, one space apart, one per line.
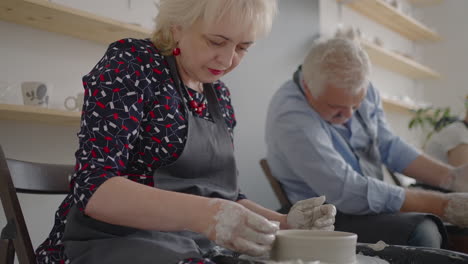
431 118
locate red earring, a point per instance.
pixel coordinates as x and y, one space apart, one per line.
176 52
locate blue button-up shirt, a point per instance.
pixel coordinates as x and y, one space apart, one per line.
310 156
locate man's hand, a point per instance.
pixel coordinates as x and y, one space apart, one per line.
312 214
458 179
456 211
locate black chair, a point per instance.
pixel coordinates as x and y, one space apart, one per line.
25 177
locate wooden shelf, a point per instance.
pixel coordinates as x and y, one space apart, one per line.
57 18
425 2
385 14
398 63
394 105
39 115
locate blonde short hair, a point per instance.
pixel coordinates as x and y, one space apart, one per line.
256 15
339 62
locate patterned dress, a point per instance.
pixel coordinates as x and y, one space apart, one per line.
132 123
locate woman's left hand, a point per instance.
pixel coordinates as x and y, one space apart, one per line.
312 214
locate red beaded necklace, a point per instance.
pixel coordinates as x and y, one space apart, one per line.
192 103
198 108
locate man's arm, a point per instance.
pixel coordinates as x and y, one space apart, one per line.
428 170
450 207
424 202
307 150
453 141
401 157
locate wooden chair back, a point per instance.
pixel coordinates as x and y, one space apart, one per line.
275 185
18 176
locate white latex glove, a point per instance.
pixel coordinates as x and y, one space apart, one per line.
456 211
237 228
458 179
312 214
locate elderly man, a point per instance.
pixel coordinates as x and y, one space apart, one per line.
326 135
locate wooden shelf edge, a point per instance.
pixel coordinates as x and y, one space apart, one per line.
422 3
60 19
388 16
39 115
390 104
398 63
395 105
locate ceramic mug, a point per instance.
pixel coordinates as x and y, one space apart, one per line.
76 102
35 93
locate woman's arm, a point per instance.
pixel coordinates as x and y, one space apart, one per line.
305 214
458 156
267 213
121 201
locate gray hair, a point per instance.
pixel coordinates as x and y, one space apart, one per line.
339 62
256 15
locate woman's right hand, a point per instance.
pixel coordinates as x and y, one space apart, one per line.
235 227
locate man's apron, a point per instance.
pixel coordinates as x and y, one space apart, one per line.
206 167
395 228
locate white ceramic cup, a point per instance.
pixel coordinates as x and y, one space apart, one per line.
35 93
310 245
77 102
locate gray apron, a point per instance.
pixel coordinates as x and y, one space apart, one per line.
367 156
395 228
205 168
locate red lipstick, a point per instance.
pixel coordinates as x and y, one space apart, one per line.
215 72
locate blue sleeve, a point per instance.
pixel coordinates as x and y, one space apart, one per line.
395 153
305 146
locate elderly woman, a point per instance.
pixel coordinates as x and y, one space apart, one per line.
156 179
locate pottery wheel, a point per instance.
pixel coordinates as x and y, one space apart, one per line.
360 259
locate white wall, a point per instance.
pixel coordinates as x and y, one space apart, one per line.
29 54
449 56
